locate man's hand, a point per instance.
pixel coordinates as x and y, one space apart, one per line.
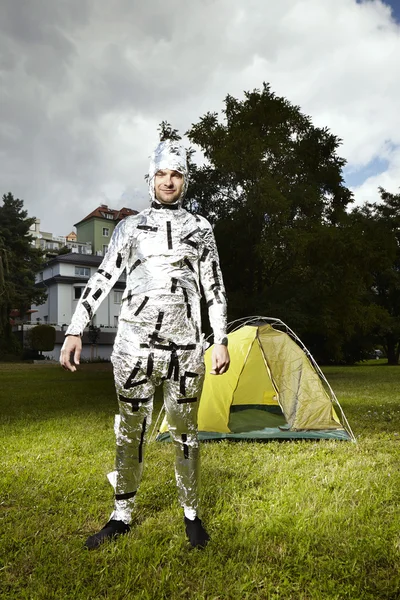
72 346
219 359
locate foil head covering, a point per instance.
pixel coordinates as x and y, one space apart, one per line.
169 154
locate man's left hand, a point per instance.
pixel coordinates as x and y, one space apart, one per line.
219 359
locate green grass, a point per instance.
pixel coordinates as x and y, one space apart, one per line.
291 520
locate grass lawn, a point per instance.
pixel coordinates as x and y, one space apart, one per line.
293 520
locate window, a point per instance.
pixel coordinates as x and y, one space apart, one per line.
117 297
116 321
105 248
82 271
78 292
106 231
40 276
108 215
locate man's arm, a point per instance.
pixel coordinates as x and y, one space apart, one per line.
214 292
97 288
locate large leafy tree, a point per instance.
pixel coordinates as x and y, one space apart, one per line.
19 261
272 183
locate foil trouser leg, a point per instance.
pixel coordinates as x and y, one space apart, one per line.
181 400
135 400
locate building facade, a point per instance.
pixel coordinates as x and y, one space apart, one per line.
52 244
65 277
97 228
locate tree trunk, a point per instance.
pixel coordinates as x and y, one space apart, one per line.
393 348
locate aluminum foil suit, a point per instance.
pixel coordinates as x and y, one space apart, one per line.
167 253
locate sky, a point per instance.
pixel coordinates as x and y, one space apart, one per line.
85 83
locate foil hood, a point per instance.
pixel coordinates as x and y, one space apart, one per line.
169 154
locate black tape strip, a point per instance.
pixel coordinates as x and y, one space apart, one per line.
191 234
147 228
210 303
185 446
188 307
204 255
104 273
216 294
119 260
215 272
141 307
155 339
159 320
129 296
188 264
135 383
135 371
126 496
186 400
182 386
134 400
187 240
150 364
173 369
169 235
97 294
159 206
88 308
142 440
197 334
170 348
86 293
174 283
191 243
135 265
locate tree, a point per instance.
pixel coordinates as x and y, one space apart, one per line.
381 226
273 187
19 261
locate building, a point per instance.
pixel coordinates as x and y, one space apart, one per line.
97 228
52 244
65 277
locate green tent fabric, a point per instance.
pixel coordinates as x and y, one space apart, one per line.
271 390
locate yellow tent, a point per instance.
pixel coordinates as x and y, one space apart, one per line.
271 390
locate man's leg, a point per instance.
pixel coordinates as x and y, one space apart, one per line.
135 393
181 399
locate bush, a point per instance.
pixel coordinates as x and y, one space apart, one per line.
43 338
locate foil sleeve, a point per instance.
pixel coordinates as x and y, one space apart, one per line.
212 283
100 284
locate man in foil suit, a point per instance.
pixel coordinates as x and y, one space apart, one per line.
167 252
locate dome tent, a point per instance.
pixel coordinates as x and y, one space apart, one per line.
273 389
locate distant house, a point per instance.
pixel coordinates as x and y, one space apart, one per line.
51 244
97 227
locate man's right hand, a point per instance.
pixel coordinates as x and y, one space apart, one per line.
72 348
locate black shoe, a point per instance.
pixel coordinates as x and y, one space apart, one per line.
198 536
110 531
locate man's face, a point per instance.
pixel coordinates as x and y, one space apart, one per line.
168 185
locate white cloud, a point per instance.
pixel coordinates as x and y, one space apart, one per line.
85 84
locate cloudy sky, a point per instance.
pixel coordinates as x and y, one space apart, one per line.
85 83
